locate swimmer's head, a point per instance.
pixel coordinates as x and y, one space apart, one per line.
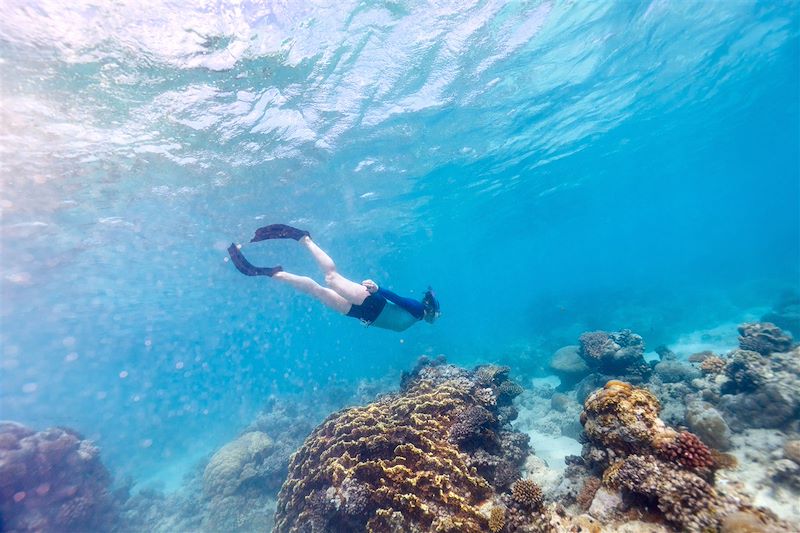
431 305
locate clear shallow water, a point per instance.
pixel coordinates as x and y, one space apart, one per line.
547 167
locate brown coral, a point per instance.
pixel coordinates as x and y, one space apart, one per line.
587 492
685 499
527 493
490 374
409 453
497 519
713 365
624 418
764 338
724 461
594 344
687 450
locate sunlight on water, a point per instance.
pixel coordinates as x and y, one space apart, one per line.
550 168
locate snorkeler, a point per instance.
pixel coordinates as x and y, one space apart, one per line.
366 301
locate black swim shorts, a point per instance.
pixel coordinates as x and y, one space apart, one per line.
369 309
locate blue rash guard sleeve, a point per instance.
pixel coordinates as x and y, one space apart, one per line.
414 308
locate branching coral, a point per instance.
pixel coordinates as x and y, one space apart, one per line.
595 345
527 493
688 451
497 519
423 460
618 353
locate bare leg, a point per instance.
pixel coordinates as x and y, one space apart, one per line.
307 285
353 292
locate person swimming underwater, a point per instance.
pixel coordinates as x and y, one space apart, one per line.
365 301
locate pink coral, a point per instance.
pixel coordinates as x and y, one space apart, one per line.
688 451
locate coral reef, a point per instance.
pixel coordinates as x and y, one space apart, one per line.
52 480
713 365
764 338
651 463
760 391
423 459
619 354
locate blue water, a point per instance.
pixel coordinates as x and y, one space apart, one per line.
548 167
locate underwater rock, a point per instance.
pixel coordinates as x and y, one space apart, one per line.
747 371
619 354
761 391
791 450
236 464
239 481
651 462
569 366
52 480
786 472
764 338
605 504
589 384
671 371
394 465
708 424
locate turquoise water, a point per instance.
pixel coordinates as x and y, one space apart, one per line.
548 167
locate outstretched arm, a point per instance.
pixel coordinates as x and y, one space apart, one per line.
413 307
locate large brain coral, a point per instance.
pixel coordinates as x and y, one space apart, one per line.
424 459
235 463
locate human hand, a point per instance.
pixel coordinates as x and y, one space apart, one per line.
371 286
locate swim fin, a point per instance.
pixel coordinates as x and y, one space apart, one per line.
279 231
244 266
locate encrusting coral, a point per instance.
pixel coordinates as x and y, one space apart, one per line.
424 459
713 365
764 338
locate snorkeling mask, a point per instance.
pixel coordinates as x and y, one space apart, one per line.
431 305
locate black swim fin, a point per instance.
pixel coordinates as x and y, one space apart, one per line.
244 266
279 231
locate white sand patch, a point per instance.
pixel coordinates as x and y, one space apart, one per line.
720 339
756 449
553 449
